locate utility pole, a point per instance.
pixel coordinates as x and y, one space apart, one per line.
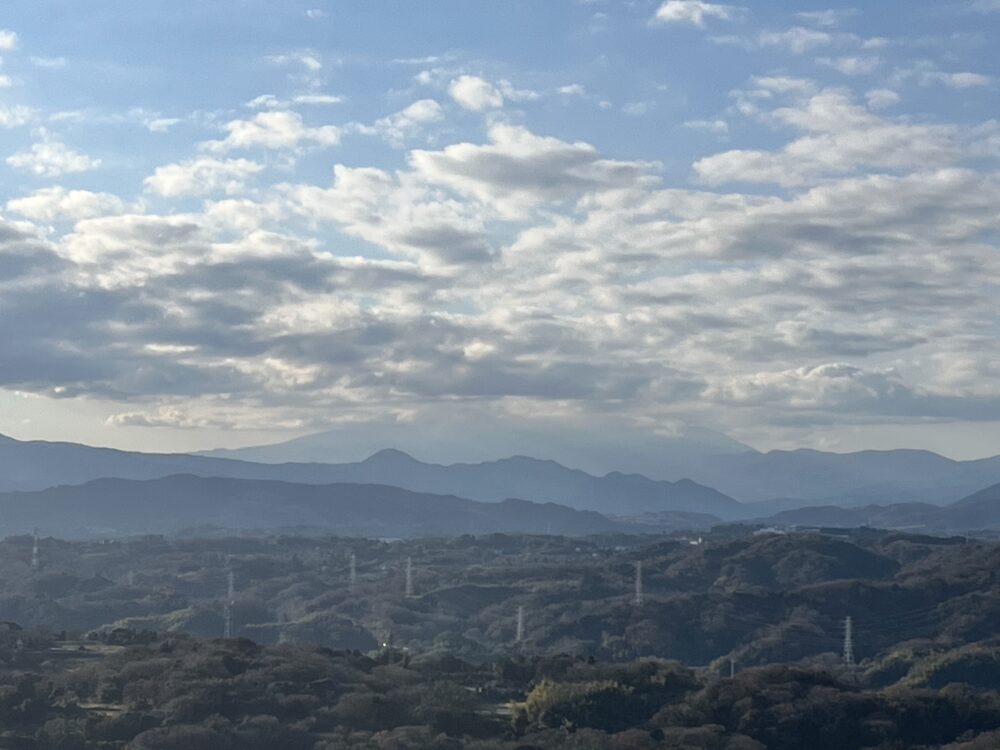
849 641
732 668
409 577
230 600
638 583
352 577
34 551
520 623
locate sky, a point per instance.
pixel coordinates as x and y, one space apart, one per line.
237 222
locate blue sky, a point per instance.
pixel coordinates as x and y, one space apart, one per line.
240 221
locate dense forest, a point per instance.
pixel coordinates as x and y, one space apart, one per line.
737 641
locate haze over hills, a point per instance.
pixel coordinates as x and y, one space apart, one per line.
36 465
710 458
119 507
598 446
796 479
978 511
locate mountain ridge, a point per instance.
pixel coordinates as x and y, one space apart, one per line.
167 505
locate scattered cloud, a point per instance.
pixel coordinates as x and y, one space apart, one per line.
161 124
962 80
796 39
475 94
202 177
852 66
14 116
839 137
8 40
58 203
52 63
638 109
279 129
308 60
829 17
718 127
401 126
317 99
51 158
881 98
693 12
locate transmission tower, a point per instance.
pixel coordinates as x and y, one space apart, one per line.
409 577
230 600
34 551
638 583
849 641
520 623
732 668
352 577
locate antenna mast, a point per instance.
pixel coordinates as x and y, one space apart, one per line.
638 583
409 577
520 623
849 641
230 600
34 550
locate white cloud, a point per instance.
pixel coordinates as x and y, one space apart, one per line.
829 17
15 116
796 39
573 89
514 94
50 158
517 169
51 204
638 109
839 137
309 60
8 40
881 98
315 13
202 177
317 99
475 94
400 126
51 63
161 124
693 12
718 127
274 130
962 80
851 66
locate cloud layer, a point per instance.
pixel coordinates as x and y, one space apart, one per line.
841 269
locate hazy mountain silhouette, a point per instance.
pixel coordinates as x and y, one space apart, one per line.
978 511
787 480
36 465
113 507
595 444
795 478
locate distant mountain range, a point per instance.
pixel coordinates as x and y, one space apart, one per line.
36 465
790 478
595 444
121 507
891 488
978 511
